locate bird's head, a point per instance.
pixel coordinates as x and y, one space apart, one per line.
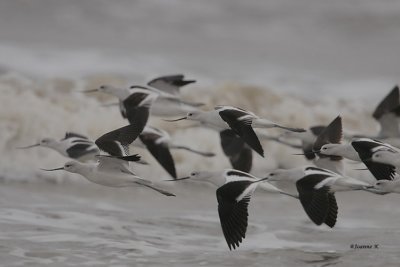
384 157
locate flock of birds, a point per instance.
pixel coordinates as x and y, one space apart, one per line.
316 184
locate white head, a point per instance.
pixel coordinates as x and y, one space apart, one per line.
70 166
383 185
194 115
385 157
201 175
45 142
331 149
48 142
109 89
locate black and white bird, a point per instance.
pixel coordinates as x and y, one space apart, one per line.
316 189
239 120
137 106
165 105
331 134
239 153
116 143
158 142
170 84
110 171
366 148
387 114
306 139
73 145
113 170
233 195
392 159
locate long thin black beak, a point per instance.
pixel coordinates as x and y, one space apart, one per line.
90 91
178 179
56 169
184 118
25 147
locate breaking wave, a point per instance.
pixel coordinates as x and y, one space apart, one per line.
33 108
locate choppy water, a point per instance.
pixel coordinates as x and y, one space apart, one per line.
55 225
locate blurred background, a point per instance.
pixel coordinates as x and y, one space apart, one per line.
268 43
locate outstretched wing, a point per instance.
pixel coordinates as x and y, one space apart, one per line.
137 108
332 134
240 122
238 152
365 149
160 151
233 213
170 83
71 134
319 204
116 143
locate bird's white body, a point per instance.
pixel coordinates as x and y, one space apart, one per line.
210 119
165 104
219 178
344 150
335 181
111 172
388 186
85 149
387 157
111 176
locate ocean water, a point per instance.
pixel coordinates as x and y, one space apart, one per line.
299 64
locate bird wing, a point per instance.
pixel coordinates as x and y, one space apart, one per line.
71 134
319 204
332 134
365 149
160 151
238 152
241 125
170 83
233 213
116 143
308 147
81 149
317 130
137 108
390 102
112 164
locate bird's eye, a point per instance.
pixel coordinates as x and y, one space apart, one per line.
190 114
271 174
102 87
324 148
68 165
376 156
193 174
